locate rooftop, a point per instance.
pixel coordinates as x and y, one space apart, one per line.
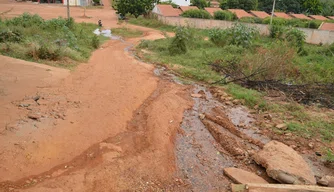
319 17
168 10
327 26
240 13
260 14
300 16
186 8
211 10
282 15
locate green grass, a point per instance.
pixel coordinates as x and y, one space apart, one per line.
329 156
151 23
54 42
126 32
315 66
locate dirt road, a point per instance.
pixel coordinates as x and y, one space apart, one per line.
109 125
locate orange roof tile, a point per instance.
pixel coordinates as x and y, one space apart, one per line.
260 14
240 13
300 16
331 17
169 11
319 17
327 26
211 10
214 4
282 15
186 8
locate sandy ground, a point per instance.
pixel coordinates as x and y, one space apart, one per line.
109 125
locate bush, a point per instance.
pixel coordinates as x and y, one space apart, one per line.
179 43
276 31
314 24
8 35
296 38
239 35
224 15
95 42
251 20
276 21
47 52
196 13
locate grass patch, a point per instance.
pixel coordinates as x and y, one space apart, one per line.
313 128
151 23
329 156
126 32
57 42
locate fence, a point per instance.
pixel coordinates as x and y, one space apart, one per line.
313 36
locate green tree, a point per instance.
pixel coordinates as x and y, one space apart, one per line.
239 4
134 7
199 3
295 6
312 6
327 7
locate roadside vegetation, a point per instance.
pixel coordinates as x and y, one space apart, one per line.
126 32
237 57
59 42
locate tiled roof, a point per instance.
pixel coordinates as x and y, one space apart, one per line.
300 16
331 17
186 8
327 26
169 11
260 14
282 15
211 10
240 13
319 17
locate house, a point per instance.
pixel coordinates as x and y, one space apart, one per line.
211 10
77 2
240 13
300 16
318 17
260 14
179 2
282 15
166 10
331 17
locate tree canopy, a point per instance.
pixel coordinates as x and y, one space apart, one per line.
134 7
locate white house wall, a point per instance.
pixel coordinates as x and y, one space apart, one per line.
180 2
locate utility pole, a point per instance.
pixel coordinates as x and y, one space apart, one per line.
68 9
272 12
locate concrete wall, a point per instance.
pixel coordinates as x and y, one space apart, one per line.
313 36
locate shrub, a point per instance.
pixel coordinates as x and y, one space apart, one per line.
314 24
224 15
95 42
239 35
179 43
276 31
295 38
8 35
47 52
196 13
276 21
251 20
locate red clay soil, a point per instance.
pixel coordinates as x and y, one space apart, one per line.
109 125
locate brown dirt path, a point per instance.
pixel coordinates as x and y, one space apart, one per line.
108 126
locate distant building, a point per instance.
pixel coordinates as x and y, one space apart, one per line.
179 2
77 2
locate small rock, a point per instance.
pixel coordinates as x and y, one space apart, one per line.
222 98
326 181
311 145
242 177
282 126
236 102
34 116
268 116
196 95
288 134
293 146
229 98
24 105
36 98
201 116
229 103
285 178
242 125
